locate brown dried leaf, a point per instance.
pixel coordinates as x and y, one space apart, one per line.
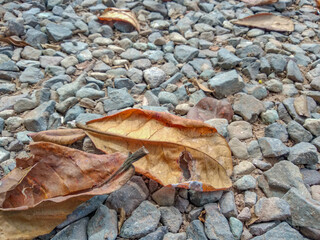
16 42
208 108
59 136
167 137
122 218
52 46
259 2
201 86
122 15
267 21
35 199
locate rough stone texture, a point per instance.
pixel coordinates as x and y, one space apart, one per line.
240 129
313 125
238 148
164 196
154 76
281 178
272 147
282 231
102 224
143 220
310 177
171 217
276 130
195 230
226 84
216 225
248 107
303 153
77 230
227 205
244 167
298 133
245 183
202 198
304 212
270 209
156 235
135 190
184 53
118 99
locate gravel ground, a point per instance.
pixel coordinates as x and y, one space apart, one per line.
77 69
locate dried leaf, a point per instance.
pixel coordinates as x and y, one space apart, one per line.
52 46
16 42
167 137
318 4
122 218
59 136
201 86
208 108
259 2
267 21
35 199
122 15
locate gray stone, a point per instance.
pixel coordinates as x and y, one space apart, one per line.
276 130
269 116
35 37
31 75
248 107
240 129
155 56
61 78
304 212
316 142
274 85
118 99
277 61
261 228
254 150
244 215
261 164
227 205
216 225
303 153
270 209
245 183
244 167
313 125
84 55
175 236
90 93
6 88
238 148
289 104
9 66
298 133
58 32
154 76
195 230
4 155
70 89
226 83
164 196
143 220
202 198
30 53
281 232
85 117
156 235
131 54
37 119
310 177
282 177
181 204
293 72
171 217
167 97
184 53
77 230
310 233
103 225
256 90
250 198
220 124
227 59
155 7
1 124
272 147
135 190
73 113
236 227
283 113
73 47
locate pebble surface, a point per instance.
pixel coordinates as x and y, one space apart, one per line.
266 91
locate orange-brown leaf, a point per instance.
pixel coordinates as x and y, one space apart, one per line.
59 136
201 86
122 15
259 2
182 153
35 199
13 41
267 21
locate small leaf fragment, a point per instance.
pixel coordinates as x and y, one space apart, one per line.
267 21
15 42
122 15
201 86
259 2
59 136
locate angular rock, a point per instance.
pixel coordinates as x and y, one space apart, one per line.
310 177
261 228
304 212
293 72
135 190
226 83
227 59
77 230
270 209
195 230
245 183
175 236
303 153
227 205
238 148
236 227
118 99
58 32
156 235
244 167
154 76
143 220
31 75
171 217
202 198
272 147
184 53
216 225
298 133
248 107
313 125
240 129
276 130
164 196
